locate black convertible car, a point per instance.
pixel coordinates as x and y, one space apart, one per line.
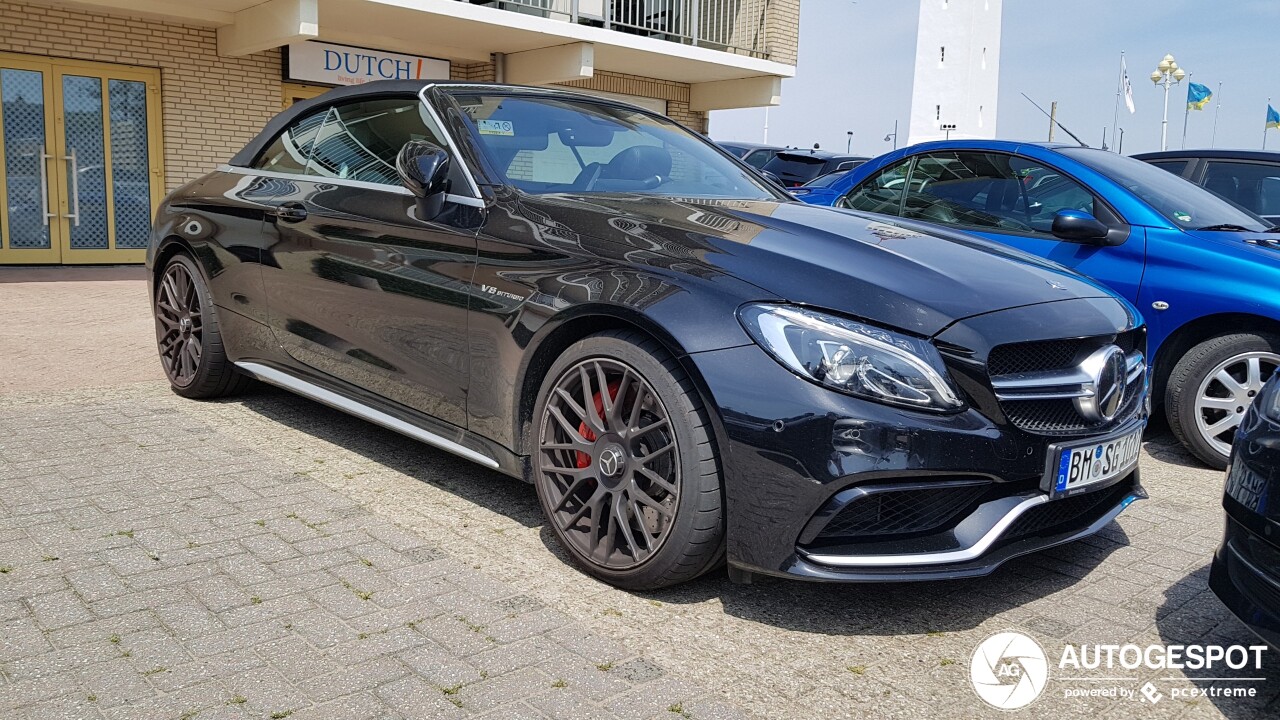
687 364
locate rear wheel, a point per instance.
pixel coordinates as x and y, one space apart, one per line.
625 468
1212 386
188 336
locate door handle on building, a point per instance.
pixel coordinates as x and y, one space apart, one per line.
75 187
44 186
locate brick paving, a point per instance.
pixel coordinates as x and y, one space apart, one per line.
266 555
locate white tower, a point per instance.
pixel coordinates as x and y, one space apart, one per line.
957 70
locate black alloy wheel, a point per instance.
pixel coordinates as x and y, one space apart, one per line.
179 324
624 467
188 336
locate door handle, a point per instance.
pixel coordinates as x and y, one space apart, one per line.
75 187
44 184
289 212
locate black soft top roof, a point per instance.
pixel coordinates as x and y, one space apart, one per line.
254 148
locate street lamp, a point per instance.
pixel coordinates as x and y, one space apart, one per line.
893 135
848 143
1168 74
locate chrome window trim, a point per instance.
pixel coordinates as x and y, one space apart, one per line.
444 133
345 404
362 184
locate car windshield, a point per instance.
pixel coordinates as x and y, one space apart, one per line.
826 180
1186 205
547 144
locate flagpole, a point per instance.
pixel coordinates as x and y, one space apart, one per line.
1186 112
1214 137
1115 117
1264 125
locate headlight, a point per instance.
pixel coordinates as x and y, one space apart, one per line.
851 357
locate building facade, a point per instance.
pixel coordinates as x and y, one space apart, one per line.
957 70
106 105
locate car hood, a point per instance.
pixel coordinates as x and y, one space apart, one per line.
899 275
1266 245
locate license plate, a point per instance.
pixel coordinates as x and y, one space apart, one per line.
1084 466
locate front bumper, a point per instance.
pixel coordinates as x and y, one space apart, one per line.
791 447
1246 568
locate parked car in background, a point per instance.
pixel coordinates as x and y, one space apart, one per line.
1246 569
687 364
797 167
1248 178
753 154
1204 272
819 184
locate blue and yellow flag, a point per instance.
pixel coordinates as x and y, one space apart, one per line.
1198 96
1273 117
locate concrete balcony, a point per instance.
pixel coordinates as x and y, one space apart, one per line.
719 47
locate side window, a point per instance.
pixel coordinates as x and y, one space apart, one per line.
1252 186
991 191
1049 192
964 188
354 141
360 140
758 158
291 151
880 193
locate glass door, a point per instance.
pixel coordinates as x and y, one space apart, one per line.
92 194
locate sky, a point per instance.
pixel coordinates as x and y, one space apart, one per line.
857 61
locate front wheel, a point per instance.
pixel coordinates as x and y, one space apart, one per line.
188 336
625 467
1212 386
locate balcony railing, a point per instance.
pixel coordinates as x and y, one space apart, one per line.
736 26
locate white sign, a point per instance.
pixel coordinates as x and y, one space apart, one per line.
345 65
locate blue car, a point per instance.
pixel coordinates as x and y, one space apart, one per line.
1205 273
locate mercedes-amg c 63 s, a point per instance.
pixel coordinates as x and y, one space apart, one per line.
688 365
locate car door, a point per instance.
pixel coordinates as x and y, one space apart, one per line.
1012 199
358 287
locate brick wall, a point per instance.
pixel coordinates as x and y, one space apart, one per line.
782 31
212 105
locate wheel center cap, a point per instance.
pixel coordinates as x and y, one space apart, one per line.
184 324
612 461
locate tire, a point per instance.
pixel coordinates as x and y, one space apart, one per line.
187 334
1204 409
595 465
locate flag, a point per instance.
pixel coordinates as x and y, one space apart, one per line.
1273 117
1198 96
1128 89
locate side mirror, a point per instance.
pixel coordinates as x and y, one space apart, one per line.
424 169
1078 226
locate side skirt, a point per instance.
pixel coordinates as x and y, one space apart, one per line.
477 450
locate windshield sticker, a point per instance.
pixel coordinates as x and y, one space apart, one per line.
497 127
1181 216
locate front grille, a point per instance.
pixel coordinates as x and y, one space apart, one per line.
897 512
1058 416
1069 513
1257 587
1033 356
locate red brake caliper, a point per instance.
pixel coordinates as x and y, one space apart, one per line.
583 459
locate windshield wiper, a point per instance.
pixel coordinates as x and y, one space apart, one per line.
1226 227
1273 229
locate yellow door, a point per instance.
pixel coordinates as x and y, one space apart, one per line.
80 160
